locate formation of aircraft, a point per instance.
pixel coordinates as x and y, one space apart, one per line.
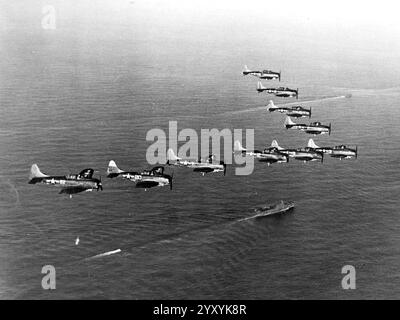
155 177
294 111
314 128
145 179
202 166
311 152
298 111
69 184
268 155
279 92
277 154
271 75
265 74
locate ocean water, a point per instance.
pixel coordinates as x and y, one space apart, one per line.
89 91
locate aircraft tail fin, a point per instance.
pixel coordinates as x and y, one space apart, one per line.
260 86
113 170
271 105
311 144
289 122
275 144
171 156
246 70
237 147
36 174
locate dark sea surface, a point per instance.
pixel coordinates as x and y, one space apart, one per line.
89 91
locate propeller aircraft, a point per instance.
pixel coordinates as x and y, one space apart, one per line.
146 179
265 74
295 111
312 128
341 151
201 166
70 184
279 92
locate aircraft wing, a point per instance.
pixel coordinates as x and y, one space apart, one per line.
256 73
186 163
147 184
311 131
73 190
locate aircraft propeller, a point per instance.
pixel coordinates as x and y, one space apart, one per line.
99 185
223 163
170 178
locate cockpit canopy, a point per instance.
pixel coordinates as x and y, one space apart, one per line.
86 174
211 158
271 150
159 170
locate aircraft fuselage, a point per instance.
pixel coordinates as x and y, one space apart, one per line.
343 153
66 182
303 155
253 73
207 167
69 185
292 112
147 180
310 129
285 93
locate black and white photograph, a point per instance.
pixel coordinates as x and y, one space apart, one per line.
177 150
